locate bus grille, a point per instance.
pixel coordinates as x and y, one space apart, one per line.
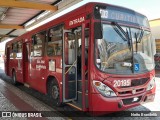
137 82
131 100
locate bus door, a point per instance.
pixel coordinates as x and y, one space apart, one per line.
26 61
69 66
75 67
7 62
82 67
83 83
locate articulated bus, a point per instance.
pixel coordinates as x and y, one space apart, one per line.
97 58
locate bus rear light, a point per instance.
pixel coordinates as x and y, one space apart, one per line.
104 89
151 84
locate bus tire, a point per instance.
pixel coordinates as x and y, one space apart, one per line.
14 78
53 92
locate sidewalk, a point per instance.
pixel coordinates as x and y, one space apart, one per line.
13 99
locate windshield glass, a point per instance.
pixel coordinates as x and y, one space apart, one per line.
114 54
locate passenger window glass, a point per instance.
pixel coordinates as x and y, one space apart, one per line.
32 49
38 42
19 49
14 47
16 50
54 48
55 41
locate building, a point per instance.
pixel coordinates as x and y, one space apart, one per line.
155 28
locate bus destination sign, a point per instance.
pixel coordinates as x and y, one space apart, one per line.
124 16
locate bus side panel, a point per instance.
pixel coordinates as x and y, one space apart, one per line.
15 65
40 72
56 72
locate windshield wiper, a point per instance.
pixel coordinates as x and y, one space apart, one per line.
140 36
124 35
129 40
136 37
119 30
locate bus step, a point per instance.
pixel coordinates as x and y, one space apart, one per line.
74 106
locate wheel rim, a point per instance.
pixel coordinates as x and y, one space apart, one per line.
55 92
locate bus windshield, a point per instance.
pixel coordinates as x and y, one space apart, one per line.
116 55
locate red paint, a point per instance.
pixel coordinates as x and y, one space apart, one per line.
76 21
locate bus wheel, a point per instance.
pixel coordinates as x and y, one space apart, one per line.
53 92
14 79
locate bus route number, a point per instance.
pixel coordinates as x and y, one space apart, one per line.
121 83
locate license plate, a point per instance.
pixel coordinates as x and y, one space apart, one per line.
121 83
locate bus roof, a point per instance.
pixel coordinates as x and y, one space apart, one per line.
86 8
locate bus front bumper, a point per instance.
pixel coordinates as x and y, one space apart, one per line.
103 105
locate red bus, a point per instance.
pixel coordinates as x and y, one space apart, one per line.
96 58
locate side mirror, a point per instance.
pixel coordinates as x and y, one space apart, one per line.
98 30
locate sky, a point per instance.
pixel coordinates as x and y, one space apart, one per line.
150 8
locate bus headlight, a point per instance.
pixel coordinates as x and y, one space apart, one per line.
151 84
104 89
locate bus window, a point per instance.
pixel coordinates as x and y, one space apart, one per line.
14 47
14 50
19 49
55 41
54 48
38 43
